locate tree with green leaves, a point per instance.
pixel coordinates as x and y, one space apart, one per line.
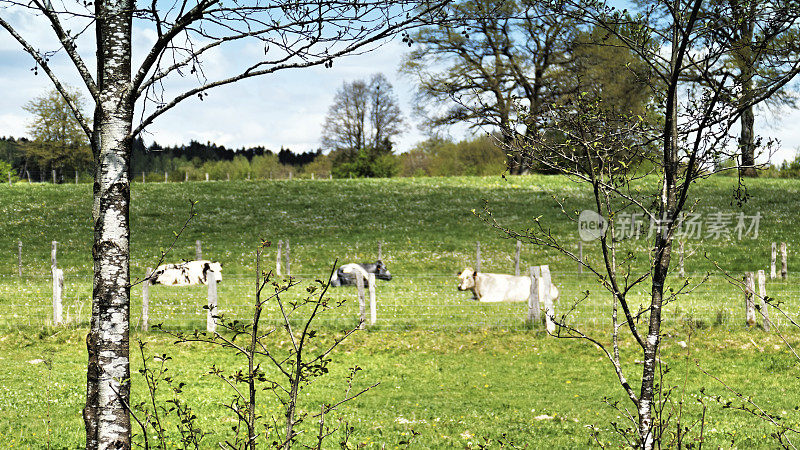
57 140
601 66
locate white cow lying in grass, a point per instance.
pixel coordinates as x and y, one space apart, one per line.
186 273
496 287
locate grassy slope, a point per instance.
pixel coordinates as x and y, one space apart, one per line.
426 224
485 383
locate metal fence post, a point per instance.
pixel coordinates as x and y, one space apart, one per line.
211 315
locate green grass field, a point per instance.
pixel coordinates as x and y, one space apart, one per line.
453 370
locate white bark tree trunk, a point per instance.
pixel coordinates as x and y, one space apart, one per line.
108 387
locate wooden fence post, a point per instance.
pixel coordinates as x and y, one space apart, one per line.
211 314
19 258
58 283
762 294
373 303
533 300
312 175
185 176
206 176
681 253
516 258
58 289
784 268
772 272
76 177
146 300
380 254
288 262
478 257
580 256
57 286
544 296
54 176
228 176
28 174
143 181
198 250
166 177
361 303
749 301
290 174
278 259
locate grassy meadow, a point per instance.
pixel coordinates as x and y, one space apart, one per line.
460 374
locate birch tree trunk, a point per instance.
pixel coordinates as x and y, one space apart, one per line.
108 389
662 244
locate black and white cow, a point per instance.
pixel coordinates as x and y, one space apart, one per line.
346 274
498 287
186 273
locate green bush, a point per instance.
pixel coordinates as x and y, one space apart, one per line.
368 162
439 157
5 169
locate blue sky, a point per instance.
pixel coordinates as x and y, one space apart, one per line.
284 109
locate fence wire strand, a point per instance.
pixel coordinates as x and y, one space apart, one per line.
424 301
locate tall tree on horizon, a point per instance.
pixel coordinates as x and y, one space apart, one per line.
761 61
363 114
761 54
57 140
497 69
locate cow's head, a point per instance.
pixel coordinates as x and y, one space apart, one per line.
212 266
381 272
466 279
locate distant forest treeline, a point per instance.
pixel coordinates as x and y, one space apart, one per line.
433 157
146 159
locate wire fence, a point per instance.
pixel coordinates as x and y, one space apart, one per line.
168 176
410 301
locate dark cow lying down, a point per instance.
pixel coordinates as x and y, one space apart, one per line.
497 287
186 273
346 274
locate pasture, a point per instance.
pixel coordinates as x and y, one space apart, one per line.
457 372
